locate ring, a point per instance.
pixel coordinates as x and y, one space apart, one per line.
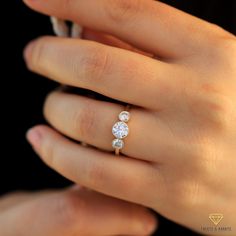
121 130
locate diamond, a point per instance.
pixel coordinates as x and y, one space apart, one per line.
124 116
118 144
120 130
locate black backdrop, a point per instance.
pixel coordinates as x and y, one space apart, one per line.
22 93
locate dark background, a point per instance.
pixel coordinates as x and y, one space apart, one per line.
23 93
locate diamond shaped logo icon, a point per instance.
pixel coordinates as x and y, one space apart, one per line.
216 218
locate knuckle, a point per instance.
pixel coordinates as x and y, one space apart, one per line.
51 153
227 50
122 11
211 108
187 195
96 174
96 64
48 150
219 113
85 121
218 31
221 50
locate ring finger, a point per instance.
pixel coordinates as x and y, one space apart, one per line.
90 121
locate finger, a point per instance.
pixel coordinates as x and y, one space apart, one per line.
120 215
13 199
10 200
150 25
71 213
91 121
83 119
113 72
92 168
111 41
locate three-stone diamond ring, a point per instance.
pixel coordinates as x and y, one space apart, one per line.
121 130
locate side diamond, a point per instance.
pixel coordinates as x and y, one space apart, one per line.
124 116
117 143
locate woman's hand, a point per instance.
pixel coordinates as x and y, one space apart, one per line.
71 212
180 154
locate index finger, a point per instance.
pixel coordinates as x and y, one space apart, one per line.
150 25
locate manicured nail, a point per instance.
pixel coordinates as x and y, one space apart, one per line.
34 137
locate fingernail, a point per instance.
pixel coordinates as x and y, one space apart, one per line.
28 50
75 187
34 137
150 225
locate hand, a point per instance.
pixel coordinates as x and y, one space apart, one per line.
71 212
180 154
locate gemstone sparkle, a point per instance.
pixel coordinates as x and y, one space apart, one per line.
120 130
124 116
118 144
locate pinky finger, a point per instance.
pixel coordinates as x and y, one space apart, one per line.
92 168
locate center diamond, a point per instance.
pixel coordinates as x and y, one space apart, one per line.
120 130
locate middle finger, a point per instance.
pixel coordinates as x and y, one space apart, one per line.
116 73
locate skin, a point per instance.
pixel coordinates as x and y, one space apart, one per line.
180 154
70 212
